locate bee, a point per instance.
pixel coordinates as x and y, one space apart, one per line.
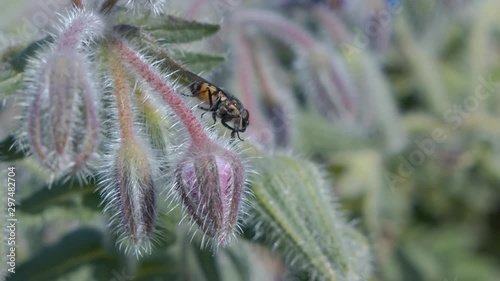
227 107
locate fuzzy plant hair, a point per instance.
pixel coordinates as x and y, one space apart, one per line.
61 96
209 178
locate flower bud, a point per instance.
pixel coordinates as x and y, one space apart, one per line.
211 182
62 127
327 81
62 120
130 194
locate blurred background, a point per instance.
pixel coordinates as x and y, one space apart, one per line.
397 101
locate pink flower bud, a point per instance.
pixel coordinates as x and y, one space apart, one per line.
211 181
63 129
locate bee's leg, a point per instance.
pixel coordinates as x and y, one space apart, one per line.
234 131
214 105
211 108
237 133
204 109
223 121
214 116
210 98
213 99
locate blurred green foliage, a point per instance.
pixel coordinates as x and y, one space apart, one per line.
428 204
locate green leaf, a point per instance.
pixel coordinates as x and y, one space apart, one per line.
198 62
62 194
8 152
171 29
437 253
81 247
371 80
159 267
181 65
322 137
207 261
239 262
13 63
294 212
10 84
20 61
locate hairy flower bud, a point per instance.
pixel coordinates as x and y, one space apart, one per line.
130 195
63 129
211 182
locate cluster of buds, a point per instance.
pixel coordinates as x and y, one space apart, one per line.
336 73
70 127
322 72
